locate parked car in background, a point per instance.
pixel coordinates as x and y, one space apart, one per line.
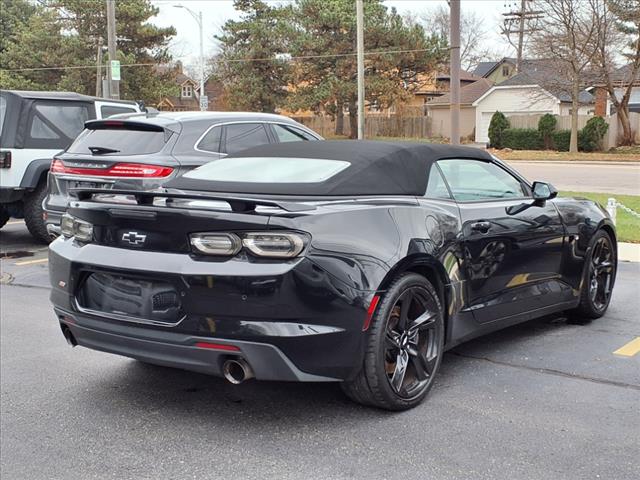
34 126
144 151
359 262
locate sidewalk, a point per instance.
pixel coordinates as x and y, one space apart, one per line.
629 252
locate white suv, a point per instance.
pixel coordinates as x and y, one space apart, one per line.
34 126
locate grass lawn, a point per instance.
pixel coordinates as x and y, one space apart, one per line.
620 154
627 226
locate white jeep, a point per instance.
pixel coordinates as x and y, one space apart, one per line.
34 126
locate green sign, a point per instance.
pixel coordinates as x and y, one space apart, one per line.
115 69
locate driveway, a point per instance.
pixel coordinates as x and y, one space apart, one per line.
620 178
544 400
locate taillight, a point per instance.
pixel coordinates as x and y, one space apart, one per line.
74 227
5 159
259 244
124 170
276 245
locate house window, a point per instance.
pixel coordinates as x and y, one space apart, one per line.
187 91
505 70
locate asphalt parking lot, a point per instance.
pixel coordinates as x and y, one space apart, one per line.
543 400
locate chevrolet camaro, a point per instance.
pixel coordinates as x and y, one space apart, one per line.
358 262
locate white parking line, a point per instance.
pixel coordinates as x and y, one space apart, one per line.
31 262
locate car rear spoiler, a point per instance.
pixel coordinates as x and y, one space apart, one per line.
237 204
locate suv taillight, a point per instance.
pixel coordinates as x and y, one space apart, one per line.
124 170
5 159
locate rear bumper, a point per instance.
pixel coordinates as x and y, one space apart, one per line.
291 321
181 351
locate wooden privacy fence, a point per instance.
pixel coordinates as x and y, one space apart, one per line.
414 126
374 126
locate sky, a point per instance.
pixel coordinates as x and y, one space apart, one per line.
215 13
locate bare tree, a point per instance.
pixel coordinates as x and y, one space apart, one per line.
566 37
618 24
473 33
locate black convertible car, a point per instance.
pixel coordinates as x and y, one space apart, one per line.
358 262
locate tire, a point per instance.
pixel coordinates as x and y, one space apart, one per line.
597 280
33 213
382 381
4 216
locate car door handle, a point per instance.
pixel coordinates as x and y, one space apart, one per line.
482 227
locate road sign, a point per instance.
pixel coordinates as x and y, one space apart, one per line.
204 102
115 70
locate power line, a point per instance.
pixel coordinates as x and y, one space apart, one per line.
230 60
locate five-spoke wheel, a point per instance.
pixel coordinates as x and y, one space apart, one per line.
598 279
404 346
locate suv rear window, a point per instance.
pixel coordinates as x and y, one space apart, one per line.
121 141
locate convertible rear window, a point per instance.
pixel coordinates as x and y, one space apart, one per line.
268 170
120 141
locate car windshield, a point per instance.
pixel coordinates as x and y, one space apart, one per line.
269 170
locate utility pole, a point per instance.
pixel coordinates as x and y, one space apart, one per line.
114 89
454 105
204 101
99 68
203 94
522 18
523 9
360 60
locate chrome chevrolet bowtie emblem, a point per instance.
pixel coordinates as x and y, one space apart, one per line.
134 238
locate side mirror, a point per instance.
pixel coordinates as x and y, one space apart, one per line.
544 191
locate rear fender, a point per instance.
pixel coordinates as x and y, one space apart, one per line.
35 173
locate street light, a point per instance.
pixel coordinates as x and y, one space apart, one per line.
198 18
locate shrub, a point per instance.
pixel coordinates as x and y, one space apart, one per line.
592 135
562 139
522 139
497 126
546 126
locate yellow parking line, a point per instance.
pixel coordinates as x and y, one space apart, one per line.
31 262
15 222
630 349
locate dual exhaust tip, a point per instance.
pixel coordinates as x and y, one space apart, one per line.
236 371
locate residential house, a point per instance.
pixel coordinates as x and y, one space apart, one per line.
435 85
496 71
621 78
526 94
438 109
188 97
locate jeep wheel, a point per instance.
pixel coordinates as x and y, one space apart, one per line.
33 213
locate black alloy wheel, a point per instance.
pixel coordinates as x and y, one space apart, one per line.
411 342
601 271
404 347
598 280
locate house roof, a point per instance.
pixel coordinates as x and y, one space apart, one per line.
464 76
623 75
468 94
535 79
485 68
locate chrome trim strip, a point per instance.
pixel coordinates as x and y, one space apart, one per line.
125 318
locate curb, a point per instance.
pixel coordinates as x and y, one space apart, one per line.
628 252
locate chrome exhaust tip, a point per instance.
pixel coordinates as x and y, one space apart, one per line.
236 371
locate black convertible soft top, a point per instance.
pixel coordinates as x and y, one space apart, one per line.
375 168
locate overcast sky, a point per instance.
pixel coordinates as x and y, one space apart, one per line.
215 13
